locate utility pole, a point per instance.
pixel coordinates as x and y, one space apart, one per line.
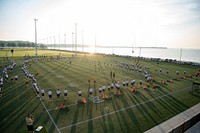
36 37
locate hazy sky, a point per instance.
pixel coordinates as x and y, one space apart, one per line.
168 23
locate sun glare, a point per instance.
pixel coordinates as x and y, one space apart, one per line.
90 49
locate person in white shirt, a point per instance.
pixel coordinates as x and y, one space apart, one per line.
133 82
103 87
108 87
184 72
42 92
117 85
65 92
79 93
140 82
126 82
100 89
90 91
6 76
58 93
16 78
37 90
177 72
112 85
50 94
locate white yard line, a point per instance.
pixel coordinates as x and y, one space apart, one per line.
138 104
50 116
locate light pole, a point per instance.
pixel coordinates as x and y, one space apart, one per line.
35 37
181 53
76 38
59 41
72 41
54 42
82 41
65 41
50 40
95 45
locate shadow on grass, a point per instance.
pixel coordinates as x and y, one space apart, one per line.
164 104
146 110
151 105
10 113
55 67
106 123
175 102
124 124
89 113
73 128
138 107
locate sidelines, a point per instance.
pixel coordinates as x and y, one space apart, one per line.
138 104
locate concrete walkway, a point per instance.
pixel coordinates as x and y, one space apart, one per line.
179 122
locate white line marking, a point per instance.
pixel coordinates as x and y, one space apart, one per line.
64 106
138 104
50 116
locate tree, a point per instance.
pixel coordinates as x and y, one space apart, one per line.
32 45
9 44
2 44
20 45
43 46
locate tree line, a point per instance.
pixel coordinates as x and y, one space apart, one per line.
22 44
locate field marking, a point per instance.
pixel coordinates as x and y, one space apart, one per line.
138 104
64 106
53 71
50 116
60 76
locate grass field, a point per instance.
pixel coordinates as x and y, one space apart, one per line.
129 112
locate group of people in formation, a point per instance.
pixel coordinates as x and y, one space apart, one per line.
30 77
101 89
58 93
5 74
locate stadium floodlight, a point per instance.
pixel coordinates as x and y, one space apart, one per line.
82 41
59 41
54 42
72 41
65 41
181 53
76 38
35 20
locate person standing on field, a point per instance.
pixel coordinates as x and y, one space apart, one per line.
29 122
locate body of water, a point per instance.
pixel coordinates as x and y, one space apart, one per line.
192 55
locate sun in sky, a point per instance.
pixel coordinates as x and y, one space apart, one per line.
148 23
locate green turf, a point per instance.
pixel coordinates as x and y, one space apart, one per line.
127 113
